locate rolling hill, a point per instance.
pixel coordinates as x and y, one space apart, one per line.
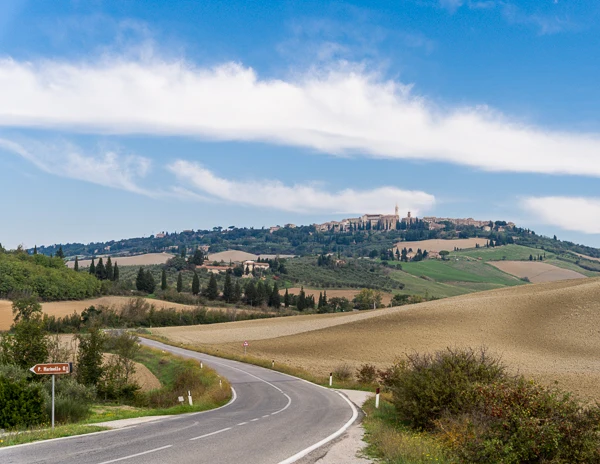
550 331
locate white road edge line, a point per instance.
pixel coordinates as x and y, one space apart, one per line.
210 434
331 437
138 454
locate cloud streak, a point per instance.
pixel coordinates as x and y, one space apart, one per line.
342 110
66 160
274 194
580 214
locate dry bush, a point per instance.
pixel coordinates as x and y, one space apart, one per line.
342 372
366 374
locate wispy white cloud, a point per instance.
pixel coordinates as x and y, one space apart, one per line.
304 198
340 110
64 159
545 23
580 214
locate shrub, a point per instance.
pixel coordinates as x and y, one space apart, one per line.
22 403
519 421
366 374
72 400
342 372
426 386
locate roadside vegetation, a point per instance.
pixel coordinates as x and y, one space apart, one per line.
462 405
99 389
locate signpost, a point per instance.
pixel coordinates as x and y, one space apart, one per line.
52 369
245 346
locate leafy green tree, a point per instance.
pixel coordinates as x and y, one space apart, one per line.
237 292
228 290
250 293
286 299
444 254
163 280
179 283
100 270
275 298
76 266
140 281
110 272
26 308
212 290
28 344
198 257
115 272
93 268
368 298
89 356
195 284
150 284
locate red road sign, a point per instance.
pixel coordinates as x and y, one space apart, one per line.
246 344
50 369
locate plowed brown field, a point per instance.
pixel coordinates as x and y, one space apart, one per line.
536 271
550 331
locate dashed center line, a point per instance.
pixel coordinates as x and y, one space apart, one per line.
266 415
136 455
242 423
254 420
210 434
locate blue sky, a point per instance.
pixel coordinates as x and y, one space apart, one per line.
122 119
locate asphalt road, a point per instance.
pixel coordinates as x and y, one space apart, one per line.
274 418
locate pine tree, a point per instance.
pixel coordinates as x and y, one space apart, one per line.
100 270
179 283
275 299
212 290
60 253
195 284
149 282
286 299
115 272
228 289
76 266
110 273
92 268
140 283
237 292
163 280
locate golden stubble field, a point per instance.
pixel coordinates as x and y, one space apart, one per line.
536 271
549 331
66 308
139 260
441 244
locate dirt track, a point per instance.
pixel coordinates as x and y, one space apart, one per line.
550 331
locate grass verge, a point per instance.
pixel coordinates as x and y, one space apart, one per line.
37 434
177 376
392 442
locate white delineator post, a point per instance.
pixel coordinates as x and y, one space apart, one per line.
273 364
201 365
190 398
331 379
220 383
377 398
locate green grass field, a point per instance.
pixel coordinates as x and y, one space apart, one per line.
460 271
506 252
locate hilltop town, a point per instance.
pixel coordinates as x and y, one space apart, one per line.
395 222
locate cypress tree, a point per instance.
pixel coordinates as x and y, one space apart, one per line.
212 291
198 258
179 283
228 289
60 253
250 293
109 269
237 292
163 280
195 284
100 270
149 282
301 303
76 266
93 268
261 293
140 282
275 300
324 297
286 299
35 249
115 272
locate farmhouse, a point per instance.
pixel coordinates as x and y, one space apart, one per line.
251 265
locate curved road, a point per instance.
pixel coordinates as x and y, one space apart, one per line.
273 418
